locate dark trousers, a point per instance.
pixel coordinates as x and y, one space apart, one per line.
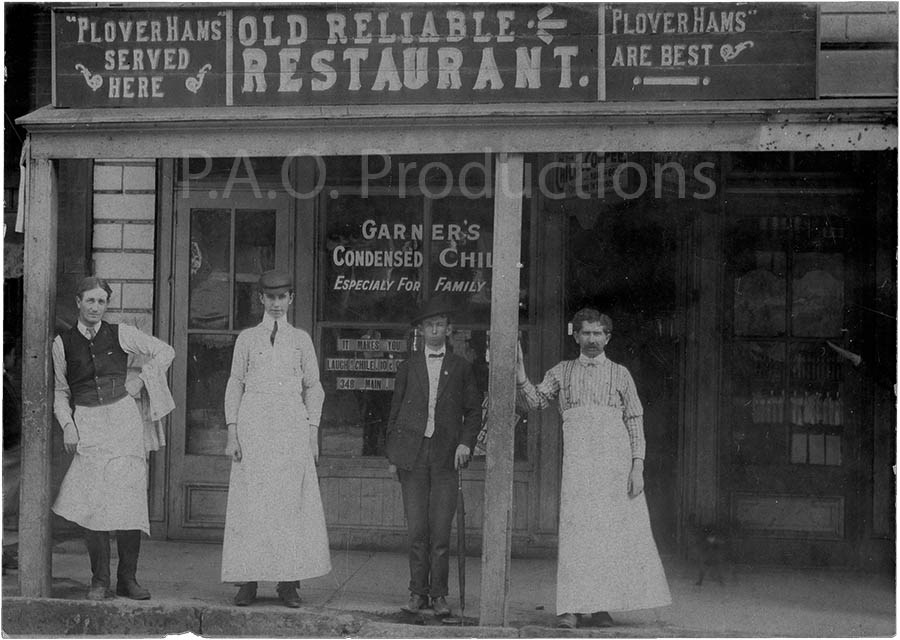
429 497
128 543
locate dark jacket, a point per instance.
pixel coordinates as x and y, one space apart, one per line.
457 413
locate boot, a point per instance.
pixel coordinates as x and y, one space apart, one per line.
287 593
246 594
97 543
129 544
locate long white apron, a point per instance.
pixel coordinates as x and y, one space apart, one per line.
607 557
105 488
274 523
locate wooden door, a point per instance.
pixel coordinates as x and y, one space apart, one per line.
789 449
221 247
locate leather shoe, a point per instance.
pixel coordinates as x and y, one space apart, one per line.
601 619
99 592
440 606
287 592
131 589
416 603
245 595
567 621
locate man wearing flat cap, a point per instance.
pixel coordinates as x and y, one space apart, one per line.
434 422
274 522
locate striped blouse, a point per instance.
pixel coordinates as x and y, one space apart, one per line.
591 382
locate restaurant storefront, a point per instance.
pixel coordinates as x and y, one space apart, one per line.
698 172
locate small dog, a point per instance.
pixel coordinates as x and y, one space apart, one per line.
712 550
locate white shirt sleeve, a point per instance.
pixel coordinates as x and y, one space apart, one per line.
62 395
133 340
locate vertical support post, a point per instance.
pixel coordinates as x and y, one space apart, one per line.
35 541
498 481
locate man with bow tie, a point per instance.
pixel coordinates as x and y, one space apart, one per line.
608 559
105 488
434 422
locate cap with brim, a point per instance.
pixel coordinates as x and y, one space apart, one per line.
435 307
275 282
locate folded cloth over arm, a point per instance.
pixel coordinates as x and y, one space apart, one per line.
155 402
161 402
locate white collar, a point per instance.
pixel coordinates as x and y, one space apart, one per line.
268 321
583 359
83 328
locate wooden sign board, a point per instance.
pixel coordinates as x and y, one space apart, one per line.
338 54
292 55
709 51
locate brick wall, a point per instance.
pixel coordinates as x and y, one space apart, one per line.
124 237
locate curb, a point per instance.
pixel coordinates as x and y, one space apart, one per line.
43 617
46 617
397 630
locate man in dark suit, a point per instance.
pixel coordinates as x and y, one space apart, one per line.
434 421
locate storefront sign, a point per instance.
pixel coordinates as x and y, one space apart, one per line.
141 58
409 54
365 384
334 54
365 363
697 51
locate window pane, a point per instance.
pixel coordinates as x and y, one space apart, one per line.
254 252
818 295
798 447
816 448
833 450
208 368
461 244
210 268
358 367
760 267
373 258
758 402
476 348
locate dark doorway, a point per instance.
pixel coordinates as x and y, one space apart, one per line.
623 260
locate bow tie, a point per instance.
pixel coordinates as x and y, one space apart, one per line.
589 362
436 355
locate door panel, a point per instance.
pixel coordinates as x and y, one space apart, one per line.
789 443
222 246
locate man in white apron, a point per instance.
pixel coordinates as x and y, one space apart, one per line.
105 488
607 556
274 521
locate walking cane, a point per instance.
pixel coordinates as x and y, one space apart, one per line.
460 552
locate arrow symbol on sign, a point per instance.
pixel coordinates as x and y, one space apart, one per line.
543 24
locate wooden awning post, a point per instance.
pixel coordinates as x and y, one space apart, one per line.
35 536
498 480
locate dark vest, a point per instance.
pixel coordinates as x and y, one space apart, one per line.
95 370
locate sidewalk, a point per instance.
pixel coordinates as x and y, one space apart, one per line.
364 591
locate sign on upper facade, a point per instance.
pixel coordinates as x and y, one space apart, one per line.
709 51
418 54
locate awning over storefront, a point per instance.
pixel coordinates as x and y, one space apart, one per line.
799 125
